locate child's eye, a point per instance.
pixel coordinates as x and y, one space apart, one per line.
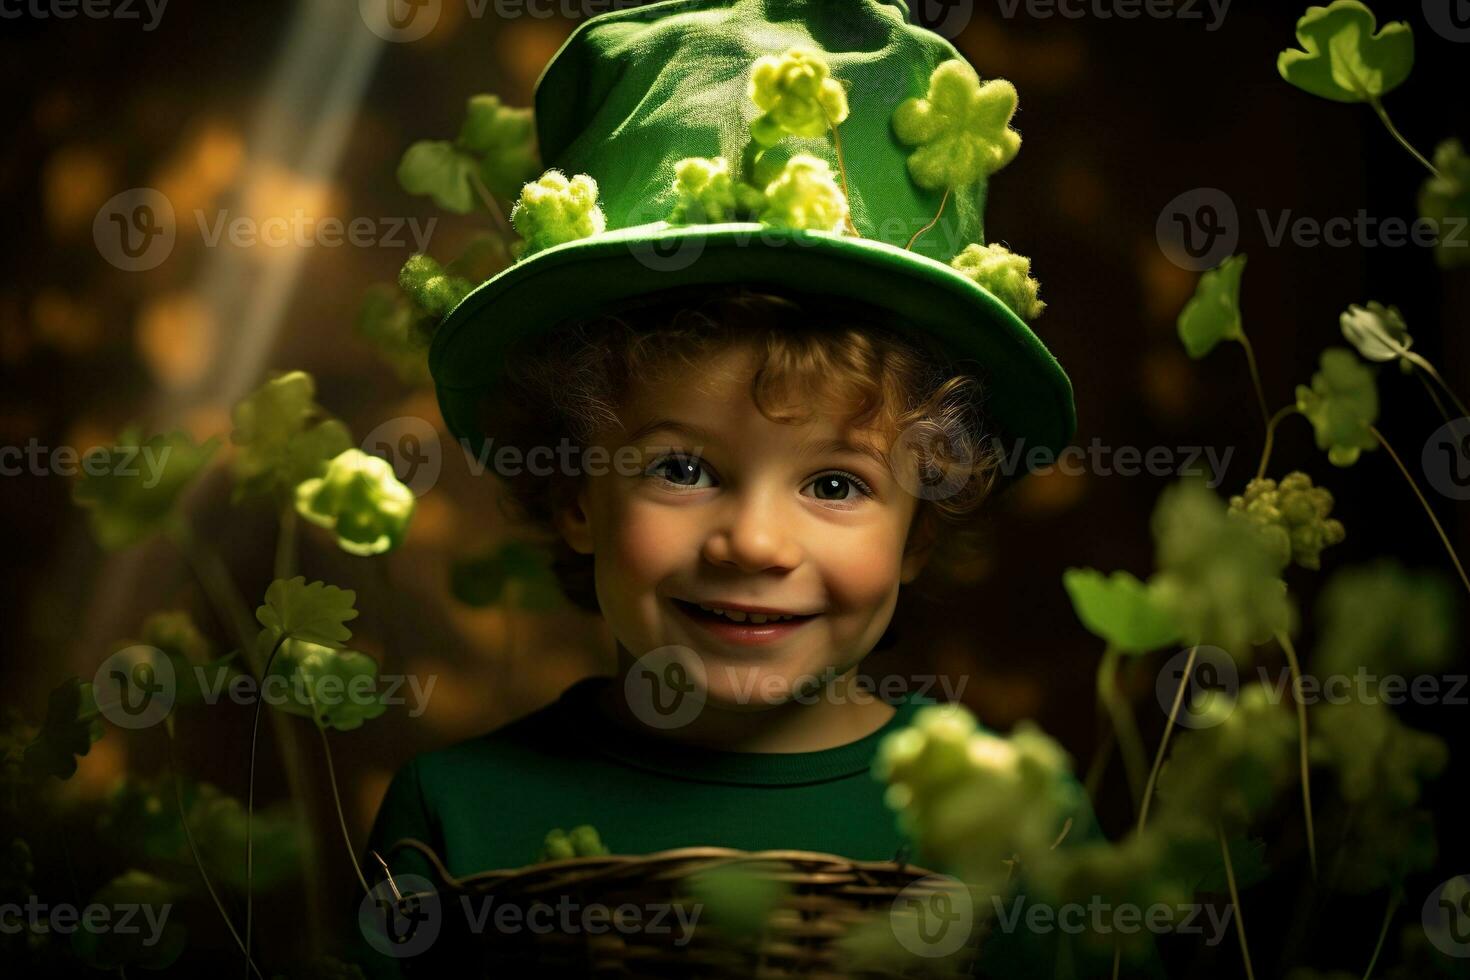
835 486
680 470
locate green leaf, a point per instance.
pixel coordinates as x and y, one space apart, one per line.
335 688
515 573
154 902
1386 619
505 139
1213 313
129 490
1120 609
440 170
1341 404
1342 58
284 437
72 724
315 613
1445 200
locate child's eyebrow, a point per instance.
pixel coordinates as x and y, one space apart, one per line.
705 436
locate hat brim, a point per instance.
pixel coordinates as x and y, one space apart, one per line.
1027 394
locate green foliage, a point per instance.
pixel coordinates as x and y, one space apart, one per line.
283 437
553 210
1343 57
1291 516
1213 312
316 613
69 729
438 169
961 127
580 841
514 572
117 949
1005 274
1120 609
333 687
129 490
431 290
706 192
1216 578
360 500
796 94
1341 404
496 144
1385 618
1445 200
737 900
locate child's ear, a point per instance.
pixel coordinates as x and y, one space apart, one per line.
923 535
572 520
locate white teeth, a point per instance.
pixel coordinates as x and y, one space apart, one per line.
758 617
738 616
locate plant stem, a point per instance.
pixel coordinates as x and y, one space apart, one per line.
1301 721
842 172
1377 105
1117 709
173 764
488 199
1271 424
1245 952
1250 360
341 819
932 221
1454 557
250 794
1428 369
1393 904
1153 775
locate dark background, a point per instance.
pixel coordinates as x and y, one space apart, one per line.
1119 118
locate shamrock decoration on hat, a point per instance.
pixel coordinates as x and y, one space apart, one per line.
695 143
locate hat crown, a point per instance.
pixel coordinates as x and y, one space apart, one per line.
631 92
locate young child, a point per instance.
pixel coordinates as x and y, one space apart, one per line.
761 316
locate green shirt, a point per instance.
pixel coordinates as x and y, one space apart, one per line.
487 803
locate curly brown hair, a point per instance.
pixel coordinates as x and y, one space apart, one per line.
821 354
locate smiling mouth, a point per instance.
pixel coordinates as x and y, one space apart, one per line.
705 613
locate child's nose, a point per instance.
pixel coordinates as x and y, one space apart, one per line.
754 533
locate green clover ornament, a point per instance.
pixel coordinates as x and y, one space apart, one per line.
552 210
1005 274
1342 405
129 490
1445 200
580 841
797 96
1120 609
1213 312
1291 517
805 195
707 193
1343 58
961 127
283 437
431 289
360 500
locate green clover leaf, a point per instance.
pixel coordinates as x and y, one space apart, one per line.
552 210
72 724
360 500
504 138
1342 405
129 490
1445 200
1120 609
796 94
1292 518
1343 57
333 687
1213 312
805 195
283 436
440 170
1385 618
1005 274
961 127
316 613
116 949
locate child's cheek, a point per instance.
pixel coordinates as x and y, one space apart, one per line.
861 570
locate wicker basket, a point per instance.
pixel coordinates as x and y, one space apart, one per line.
827 896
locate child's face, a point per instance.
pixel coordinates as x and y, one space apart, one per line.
767 516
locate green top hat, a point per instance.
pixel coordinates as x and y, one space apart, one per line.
816 146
